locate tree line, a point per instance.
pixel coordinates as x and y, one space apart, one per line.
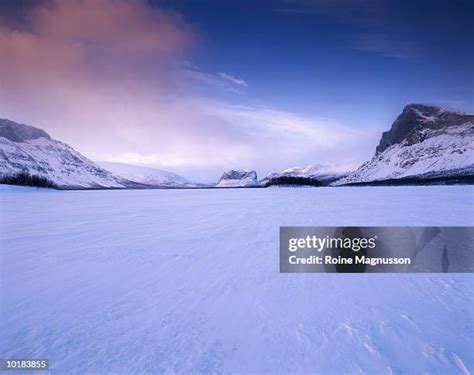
26 179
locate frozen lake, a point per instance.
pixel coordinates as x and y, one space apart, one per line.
179 281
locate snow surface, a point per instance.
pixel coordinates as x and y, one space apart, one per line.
145 175
187 281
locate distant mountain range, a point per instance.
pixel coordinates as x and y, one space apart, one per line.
146 175
325 174
426 144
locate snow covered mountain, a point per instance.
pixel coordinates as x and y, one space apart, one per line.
233 178
324 173
28 150
145 175
424 143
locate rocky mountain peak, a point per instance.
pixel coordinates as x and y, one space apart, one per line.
16 132
232 174
238 178
416 117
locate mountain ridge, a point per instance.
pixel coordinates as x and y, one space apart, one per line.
146 175
323 173
17 132
425 143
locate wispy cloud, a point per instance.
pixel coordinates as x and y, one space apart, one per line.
248 137
237 81
220 81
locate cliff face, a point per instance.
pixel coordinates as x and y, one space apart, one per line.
238 178
413 123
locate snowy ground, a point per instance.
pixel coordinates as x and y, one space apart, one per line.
180 281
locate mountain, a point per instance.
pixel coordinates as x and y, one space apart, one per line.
425 144
29 151
149 176
323 173
235 178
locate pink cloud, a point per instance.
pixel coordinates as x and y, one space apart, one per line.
73 43
122 26
80 64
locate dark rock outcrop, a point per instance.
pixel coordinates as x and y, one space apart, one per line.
416 117
238 178
20 132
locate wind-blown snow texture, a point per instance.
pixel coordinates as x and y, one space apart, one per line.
187 281
423 142
144 175
26 149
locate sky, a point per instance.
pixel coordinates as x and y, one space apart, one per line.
200 86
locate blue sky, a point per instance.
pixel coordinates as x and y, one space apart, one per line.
198 86
357 60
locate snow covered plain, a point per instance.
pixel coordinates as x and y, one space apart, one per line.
187 281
